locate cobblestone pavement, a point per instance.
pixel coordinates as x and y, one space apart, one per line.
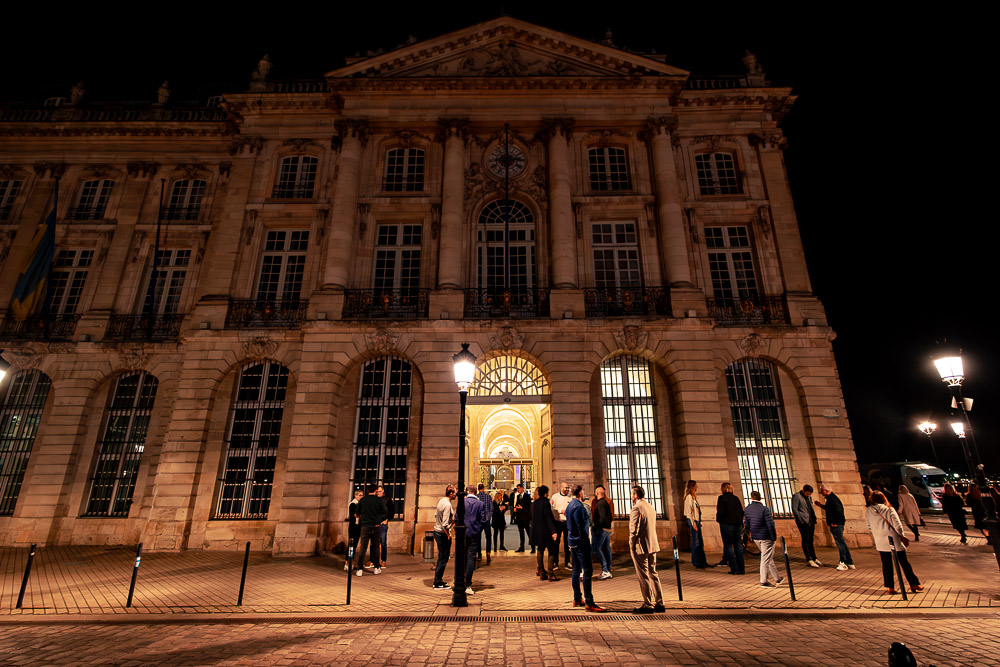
951 640
94 580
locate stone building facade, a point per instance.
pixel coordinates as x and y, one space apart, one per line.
324 249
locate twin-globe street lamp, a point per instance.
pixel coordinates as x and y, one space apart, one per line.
465 370
949 366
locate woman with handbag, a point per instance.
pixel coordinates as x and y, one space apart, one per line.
908 511
884 523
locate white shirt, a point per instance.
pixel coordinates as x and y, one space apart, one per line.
559 505
692 510
444 516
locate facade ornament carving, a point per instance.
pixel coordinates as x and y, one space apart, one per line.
298 144
650 219
537 187
249 144
259 347
769 139
502 60
435 220
606 137
407 138
10 171
225 168
141 169
750 62
713 141
106 246
102 170
249 225
163 93
631 338
381 339
752 345
133 357
459 126
190 170
655 125
357 127
578 218
363 211
77 93
258 78
506 338
553 127
138 236
54 169
559 67
764 220
24 356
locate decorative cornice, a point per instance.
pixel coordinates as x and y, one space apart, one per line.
54 169
356 127
769 139
132 130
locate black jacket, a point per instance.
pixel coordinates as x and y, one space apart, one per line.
729 510
522 516
543 526
834 510
601 513
371 510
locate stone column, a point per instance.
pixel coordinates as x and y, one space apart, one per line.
353 135
673 239
450 257
564 249
769 144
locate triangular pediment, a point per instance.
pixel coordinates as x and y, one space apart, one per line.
505 47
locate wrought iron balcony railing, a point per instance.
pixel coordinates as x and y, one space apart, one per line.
627 301
292 193
180 213
86 213
39 327
515 302
144 327
262 313
747 310
401 185
385 304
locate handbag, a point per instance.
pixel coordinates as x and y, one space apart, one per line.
902 538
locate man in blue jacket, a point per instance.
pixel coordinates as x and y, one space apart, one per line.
761 524
578 538
473 526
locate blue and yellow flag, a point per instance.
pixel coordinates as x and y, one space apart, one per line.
31 287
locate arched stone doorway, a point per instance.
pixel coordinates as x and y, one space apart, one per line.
509 431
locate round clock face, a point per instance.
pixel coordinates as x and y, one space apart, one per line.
502 161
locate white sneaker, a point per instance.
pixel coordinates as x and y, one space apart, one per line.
469 591
841 566
818 564
851 567
813 563
347 567
360 573
606 575
377 570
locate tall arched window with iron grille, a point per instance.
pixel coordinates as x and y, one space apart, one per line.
23 400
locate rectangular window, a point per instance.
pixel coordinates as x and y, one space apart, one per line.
397 257
730 262
404 170
609 169
185 200
92 203
296 177
616 255
170 274
69 275
8 193
717 174
283 265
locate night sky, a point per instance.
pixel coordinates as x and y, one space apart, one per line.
887 144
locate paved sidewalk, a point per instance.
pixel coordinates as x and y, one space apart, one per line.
94 581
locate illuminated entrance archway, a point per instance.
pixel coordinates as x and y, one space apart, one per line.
509 425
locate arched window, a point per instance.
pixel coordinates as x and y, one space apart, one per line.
297 177
404 170
609 169
252 441
717 174
8 193
126 425
23 397
383 428
509 379
759 426
185 200
630 432
92 202
490 245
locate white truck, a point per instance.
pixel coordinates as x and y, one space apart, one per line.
923 480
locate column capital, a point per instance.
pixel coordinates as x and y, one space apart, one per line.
769 139
655 125
350 127
553 127
55 169
449 126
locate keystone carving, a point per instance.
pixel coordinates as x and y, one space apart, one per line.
506 338
259 347
23 357
381 339
298 144
631 339
752 345
190 170
133 357
103 170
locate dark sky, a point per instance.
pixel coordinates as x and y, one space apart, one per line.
883 155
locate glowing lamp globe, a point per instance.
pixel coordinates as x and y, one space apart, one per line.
465 368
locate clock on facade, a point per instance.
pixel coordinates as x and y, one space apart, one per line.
502 157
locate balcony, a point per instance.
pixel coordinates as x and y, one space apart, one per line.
39 327
293 193
92 213
748 310
627 301
265 314
517 302
180 213
143 327
385 304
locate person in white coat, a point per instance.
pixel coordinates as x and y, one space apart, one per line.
883 522
908 511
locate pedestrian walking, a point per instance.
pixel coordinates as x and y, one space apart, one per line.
643 546
729 514
473 527
485 519
974 499
954 507
883 522
760 521
499 522
371 513
444 521
835 519
601 514
560 502
543 534
578 537
805 521
353 527
909 513
692 512
521 514
384 526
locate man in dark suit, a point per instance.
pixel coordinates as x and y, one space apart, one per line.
543 534
520 513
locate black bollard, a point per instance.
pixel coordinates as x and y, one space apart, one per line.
899 571
350 567
24 581
135 573
677 570
243 579
788 569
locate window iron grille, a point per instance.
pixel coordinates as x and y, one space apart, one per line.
24 396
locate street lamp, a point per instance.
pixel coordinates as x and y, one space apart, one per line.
948 361
4 366
927 428
958 426
465 370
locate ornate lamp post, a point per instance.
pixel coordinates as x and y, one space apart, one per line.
927 428
948 362
465 370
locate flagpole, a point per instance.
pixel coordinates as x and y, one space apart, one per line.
46 306
156 256
506 211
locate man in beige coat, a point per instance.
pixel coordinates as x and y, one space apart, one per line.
643 545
